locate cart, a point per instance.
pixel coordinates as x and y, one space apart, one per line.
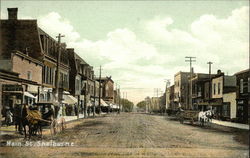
190 115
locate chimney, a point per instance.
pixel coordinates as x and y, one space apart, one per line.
12 13
71 50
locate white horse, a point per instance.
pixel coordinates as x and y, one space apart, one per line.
57 125
205 116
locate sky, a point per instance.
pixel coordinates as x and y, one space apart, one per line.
143 43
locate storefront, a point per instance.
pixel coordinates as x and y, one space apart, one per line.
242 110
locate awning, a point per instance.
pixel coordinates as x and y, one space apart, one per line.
27 94
104 103
69 99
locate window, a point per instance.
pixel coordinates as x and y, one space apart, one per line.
214 88
29 75
199 91
241 85
226 110
248 84
42 41
219 88
77 85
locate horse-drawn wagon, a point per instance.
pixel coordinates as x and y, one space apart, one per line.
190 115
49 112
37 116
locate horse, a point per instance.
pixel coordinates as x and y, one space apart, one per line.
24 121
30 118
205 116
57 125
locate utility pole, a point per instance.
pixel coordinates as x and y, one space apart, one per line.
57 98
190 60
209 95
166 95
58 67
85 99
94 97
123 100
100 86
119 97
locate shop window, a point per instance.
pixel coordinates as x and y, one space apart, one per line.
241 85
29 75
226 110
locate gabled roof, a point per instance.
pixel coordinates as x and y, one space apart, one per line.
103 79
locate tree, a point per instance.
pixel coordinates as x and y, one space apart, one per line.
141 105
127 105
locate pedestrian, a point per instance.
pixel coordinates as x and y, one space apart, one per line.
9 117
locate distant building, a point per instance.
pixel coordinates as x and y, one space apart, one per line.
222 100
243 95
154 105
181 89
170 99
107 89
200 91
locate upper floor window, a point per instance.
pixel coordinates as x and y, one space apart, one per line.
219 88
77 84
248 85
29 75
214 88
241 85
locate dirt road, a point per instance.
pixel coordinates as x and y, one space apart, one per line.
139 135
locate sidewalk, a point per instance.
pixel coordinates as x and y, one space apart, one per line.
231 124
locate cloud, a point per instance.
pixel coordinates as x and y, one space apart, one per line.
139 65
221 40
54 24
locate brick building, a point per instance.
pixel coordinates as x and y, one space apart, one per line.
181 90
170 99
107 89
243 95
82 83
26 37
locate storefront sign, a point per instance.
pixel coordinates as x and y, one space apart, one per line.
12 87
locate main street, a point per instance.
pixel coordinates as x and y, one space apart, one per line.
139 135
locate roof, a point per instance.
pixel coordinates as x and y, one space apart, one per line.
104 79
28 57
81 59
180 72
241 72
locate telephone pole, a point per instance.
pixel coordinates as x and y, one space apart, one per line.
58 67
119 101
100 86
167 95
94 96
123 104
209 95
190 60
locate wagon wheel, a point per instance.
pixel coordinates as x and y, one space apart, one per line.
63 124
192 121
181 120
